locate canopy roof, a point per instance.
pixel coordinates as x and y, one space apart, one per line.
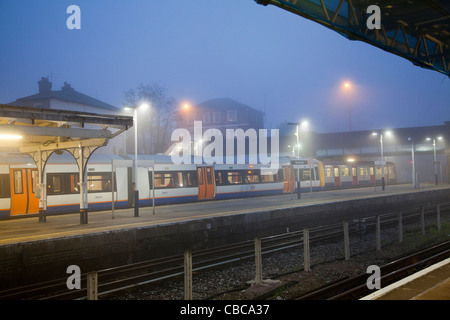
417 30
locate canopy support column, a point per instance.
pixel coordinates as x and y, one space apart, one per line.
82 153
40 157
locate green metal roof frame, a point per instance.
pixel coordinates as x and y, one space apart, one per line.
417 30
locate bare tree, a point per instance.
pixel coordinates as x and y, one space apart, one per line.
156 124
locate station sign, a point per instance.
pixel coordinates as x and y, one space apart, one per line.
299 162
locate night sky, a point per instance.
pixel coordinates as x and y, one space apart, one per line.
265 57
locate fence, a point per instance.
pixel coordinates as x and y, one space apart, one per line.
303 238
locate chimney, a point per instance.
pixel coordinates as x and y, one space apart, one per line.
67 87
44 85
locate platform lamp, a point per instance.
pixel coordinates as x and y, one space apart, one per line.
382 162
435 160
136 186
297 133
413 162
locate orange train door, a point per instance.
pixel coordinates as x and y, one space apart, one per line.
288 173
206 188
23 185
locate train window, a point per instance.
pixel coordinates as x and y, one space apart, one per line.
74 183
165 180
55 184
251 176
305 175
371 171
363 172
5 186
391 172
200 176
336 171
209 175
269 177
316 173
34 180
345 172
328 172
189 179
101 183
354 171
234 177
378 171
18 182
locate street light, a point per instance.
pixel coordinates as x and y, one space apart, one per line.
297 133
435 161
298 125
414 180
136 185
382 162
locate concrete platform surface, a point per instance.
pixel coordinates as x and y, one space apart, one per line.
29 229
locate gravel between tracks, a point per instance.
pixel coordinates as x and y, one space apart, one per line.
327 265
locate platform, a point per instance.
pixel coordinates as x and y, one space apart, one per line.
27 229
432 283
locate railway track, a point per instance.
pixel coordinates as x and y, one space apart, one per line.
117 279
356 287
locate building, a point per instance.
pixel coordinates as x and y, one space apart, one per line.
71 100
398 147
221 114
66 99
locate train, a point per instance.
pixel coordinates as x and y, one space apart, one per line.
163 182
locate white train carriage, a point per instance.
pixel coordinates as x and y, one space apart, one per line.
162 182
338 174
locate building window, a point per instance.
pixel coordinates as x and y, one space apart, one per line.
206 117
231 115
216 117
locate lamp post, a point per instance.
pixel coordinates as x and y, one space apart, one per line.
297 133
435 160
414 182
382 162
136 185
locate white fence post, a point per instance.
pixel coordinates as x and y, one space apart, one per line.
92 286
258 261
187 275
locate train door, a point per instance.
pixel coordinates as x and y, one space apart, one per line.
288 174
23 187
206 187
355 177
337 177
372 174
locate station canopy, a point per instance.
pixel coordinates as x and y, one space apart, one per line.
31 129
417 30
